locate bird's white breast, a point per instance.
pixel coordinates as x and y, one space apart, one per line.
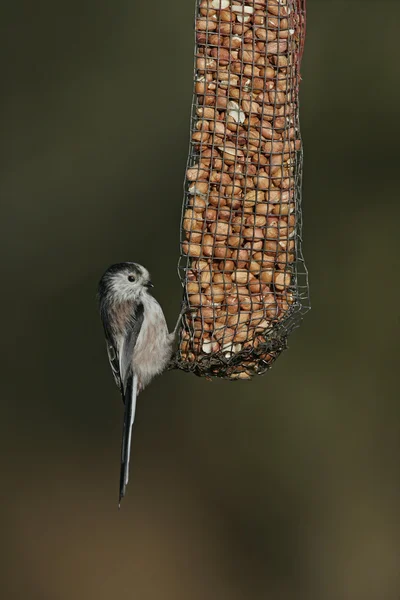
153 348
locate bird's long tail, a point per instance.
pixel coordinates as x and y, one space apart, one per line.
129 417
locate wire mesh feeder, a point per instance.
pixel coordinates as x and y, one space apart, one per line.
241 263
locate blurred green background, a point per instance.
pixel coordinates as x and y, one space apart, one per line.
285 488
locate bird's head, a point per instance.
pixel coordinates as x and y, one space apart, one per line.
123 282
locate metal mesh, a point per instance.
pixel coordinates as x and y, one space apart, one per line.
241 264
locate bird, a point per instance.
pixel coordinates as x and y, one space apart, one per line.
139 345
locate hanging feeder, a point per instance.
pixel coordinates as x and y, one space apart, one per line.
241 263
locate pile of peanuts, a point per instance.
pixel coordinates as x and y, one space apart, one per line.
240 215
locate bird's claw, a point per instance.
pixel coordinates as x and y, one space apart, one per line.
186 309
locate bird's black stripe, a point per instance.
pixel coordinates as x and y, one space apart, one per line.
135 325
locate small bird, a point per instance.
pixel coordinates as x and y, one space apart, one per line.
139 345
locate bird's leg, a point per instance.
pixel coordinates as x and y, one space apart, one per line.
172 336
184 311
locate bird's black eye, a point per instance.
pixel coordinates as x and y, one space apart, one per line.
131 278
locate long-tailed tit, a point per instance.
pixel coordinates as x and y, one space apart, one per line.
139 345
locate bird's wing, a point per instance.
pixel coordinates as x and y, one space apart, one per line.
120 351
114 362
128 344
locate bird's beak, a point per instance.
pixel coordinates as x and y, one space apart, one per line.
149 284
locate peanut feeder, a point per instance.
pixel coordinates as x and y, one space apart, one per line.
241 264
